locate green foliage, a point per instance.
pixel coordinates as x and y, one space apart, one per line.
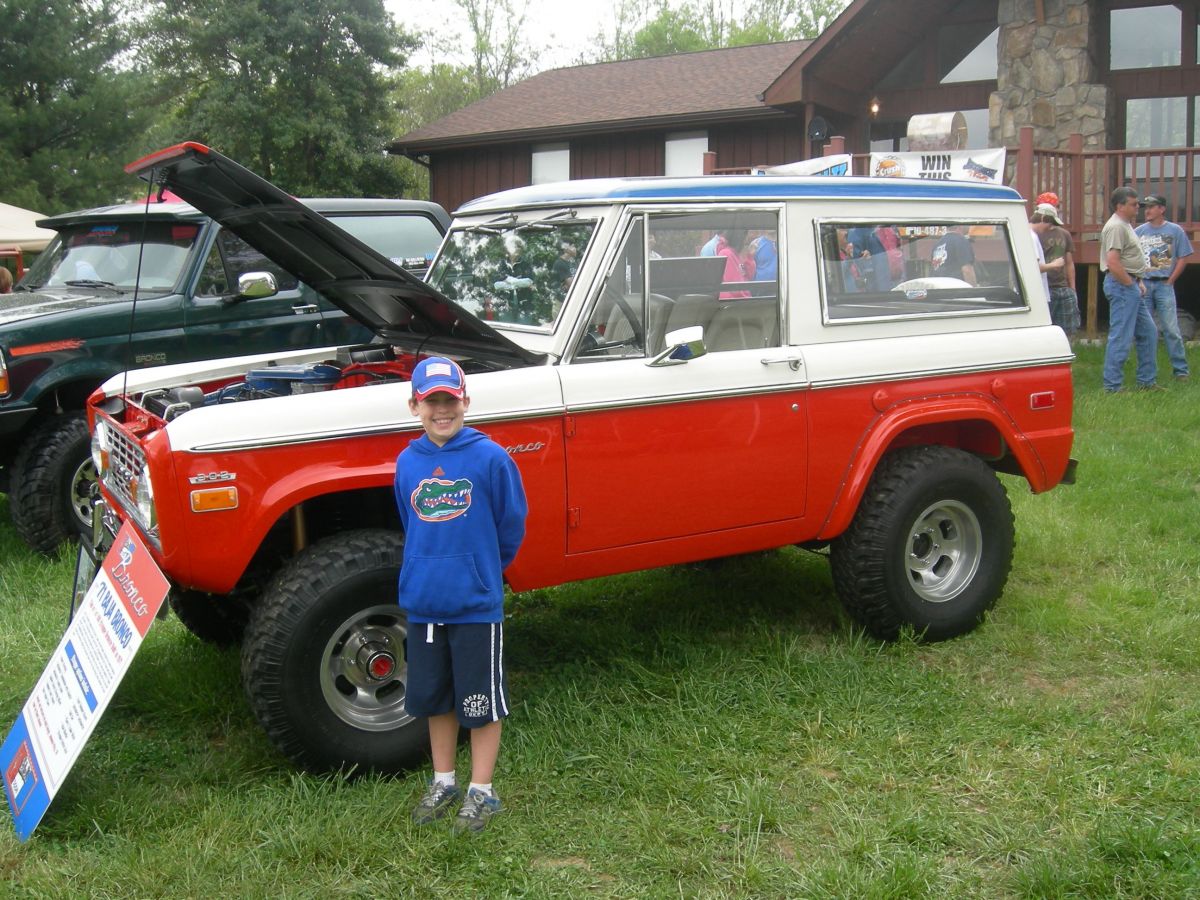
712 730
657 27
70 109
297 91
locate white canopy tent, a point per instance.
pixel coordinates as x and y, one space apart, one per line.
18 228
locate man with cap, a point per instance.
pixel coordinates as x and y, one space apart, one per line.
1057 245
1167 249
1129 320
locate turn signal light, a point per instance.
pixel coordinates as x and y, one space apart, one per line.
214 499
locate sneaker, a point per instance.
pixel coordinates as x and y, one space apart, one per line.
436 803
476 810
1119 390
1183 377
1153 387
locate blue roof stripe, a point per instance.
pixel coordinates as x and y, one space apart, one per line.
734 187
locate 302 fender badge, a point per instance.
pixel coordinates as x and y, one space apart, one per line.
211 477
525 448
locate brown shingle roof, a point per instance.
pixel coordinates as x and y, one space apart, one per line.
688 87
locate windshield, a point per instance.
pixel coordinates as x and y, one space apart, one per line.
502 271
105 254
407 240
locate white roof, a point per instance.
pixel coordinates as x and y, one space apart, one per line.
18 228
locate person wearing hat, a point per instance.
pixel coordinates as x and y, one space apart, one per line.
1167 249
462 507
1038 224
1057 245
1129 320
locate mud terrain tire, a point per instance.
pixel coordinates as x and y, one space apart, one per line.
51 477
930 547
323 662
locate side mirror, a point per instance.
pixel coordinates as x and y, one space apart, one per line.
256 285
682 345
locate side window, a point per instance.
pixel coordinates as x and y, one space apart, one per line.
718 269
407 240
894 269
617 326
232 257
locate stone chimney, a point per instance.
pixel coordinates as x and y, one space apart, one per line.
1048 75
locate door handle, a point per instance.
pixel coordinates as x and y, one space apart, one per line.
302 308
793 362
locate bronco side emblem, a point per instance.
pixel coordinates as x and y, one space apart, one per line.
525 448
211 477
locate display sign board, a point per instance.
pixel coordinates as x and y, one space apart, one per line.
81 678
942 165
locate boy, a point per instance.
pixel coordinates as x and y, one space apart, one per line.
462 507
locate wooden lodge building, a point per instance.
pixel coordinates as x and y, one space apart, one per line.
1087 95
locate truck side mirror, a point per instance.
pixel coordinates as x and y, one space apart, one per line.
682 345
256 285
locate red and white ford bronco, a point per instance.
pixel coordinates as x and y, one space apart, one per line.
681 368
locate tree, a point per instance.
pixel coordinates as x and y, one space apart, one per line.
296 89
659 27
70 114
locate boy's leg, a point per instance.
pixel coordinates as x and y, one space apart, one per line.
443 740
485 748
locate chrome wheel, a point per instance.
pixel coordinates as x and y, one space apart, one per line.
363 672
80 494
944 549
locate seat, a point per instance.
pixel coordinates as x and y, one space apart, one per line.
743 325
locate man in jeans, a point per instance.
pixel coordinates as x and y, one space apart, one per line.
1167 249
1123 264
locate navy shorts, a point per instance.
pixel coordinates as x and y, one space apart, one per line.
457 668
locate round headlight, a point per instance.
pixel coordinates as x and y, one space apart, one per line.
143 496
100 447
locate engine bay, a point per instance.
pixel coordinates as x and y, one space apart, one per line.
353 367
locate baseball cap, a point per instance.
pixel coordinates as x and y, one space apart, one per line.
436 373
1045 209
1153 200
1047 197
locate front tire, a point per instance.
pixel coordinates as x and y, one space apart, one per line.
930 547
50 497
323 663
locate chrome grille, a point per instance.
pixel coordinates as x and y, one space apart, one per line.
125 463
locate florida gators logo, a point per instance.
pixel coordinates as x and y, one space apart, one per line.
438 500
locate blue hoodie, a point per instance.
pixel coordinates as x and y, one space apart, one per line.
463 510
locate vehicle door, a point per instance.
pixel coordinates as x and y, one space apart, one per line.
718 442
222 323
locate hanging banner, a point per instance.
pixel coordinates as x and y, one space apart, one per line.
942 165
80 679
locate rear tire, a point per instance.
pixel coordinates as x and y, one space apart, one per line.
930 547
52 477
323 663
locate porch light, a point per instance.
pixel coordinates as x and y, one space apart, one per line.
873 107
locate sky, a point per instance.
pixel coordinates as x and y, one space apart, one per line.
562 30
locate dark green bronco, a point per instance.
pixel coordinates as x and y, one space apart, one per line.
124 287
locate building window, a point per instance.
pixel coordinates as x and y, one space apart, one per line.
685 152
551 162
1148 37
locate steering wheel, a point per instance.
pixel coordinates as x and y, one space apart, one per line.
639 335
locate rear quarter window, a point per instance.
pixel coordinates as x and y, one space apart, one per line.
407 240
902 269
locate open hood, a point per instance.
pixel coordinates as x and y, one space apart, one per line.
368 286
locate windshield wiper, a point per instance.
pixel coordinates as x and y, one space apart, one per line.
94 282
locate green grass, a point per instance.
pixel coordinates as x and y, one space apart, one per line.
712 731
